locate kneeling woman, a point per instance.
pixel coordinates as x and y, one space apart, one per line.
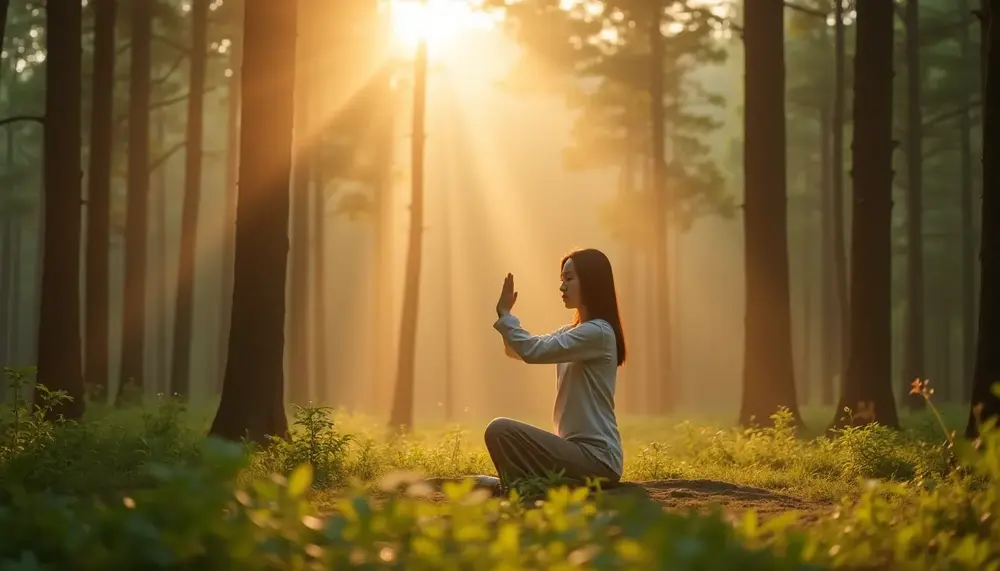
587 354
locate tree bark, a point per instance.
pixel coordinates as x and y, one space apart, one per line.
985 394
229 199
830 354
59 350
839 221
137 209
966 198
768 375
97 369
180 369
319 291
253 389
867 385
913 354
401 417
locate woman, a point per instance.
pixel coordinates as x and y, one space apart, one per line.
587 354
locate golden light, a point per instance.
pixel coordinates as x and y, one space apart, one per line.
441 23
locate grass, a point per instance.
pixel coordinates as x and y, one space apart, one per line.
141 487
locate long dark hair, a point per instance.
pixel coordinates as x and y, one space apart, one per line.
597 291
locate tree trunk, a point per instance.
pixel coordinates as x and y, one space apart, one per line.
839 223
137 209
99 199
180 369
4 7
401 417
831 360
298 295
913 354
966 198
985 393
319 292
768 376
229 200
59 351
160 287
867 385
663 378
16 355
253 389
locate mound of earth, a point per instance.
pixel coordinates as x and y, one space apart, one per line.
684 495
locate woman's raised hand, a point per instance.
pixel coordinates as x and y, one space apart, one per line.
508 297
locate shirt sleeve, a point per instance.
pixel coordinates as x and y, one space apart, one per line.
568 344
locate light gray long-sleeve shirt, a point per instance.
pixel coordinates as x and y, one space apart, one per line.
586 359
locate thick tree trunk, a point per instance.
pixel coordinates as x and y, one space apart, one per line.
664 378
401 417
59 350
913 354
137 209
97 369
180 369
867 386
768 376
253 390
985 394
229 201
839 220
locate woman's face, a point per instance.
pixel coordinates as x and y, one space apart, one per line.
570 287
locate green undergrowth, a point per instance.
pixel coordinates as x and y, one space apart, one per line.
142 488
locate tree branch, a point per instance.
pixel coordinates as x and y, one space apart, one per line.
167 102
953 114
17 118
166 156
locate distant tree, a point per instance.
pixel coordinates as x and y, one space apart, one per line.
866 388
59 350
180 370
253 390
768 376
985 393
97 370
137 203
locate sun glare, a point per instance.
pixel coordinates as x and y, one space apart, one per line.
440 22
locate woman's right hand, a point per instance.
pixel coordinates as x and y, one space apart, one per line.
508 297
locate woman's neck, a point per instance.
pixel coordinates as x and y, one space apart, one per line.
581 315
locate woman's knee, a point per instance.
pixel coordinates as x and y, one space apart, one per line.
498 428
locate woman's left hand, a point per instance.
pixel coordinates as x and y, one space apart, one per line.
508 297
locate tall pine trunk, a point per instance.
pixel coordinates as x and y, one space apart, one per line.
830 320
985 397
253 389
382 269
839 220
159 276
867 386
666 386
913 354
180 369
137 208
59 351
966 198
401 417
97 370
229 198
768 375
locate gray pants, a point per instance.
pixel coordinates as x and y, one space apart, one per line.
519 450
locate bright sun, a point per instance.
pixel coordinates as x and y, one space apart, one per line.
439 22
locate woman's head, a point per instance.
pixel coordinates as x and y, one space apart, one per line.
588 286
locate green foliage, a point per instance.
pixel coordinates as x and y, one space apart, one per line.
189 503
